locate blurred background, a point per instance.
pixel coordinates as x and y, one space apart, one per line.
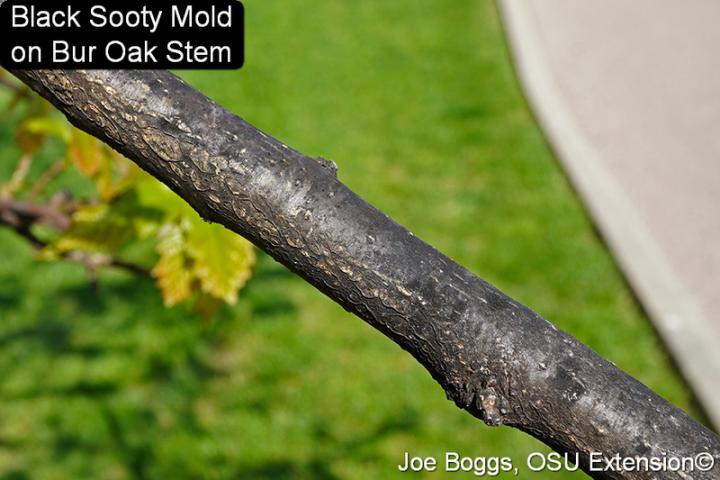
418 104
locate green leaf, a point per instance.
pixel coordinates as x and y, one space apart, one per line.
107 227
49 125
95 229
129 212
156 195
32 132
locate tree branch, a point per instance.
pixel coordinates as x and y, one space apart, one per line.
50 174
493 357
21 216
18 177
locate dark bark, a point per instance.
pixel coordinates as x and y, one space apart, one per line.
493 357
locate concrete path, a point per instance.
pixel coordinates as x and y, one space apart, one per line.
628 94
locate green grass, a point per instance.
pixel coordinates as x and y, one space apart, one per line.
417 103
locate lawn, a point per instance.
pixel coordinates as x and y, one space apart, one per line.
417 103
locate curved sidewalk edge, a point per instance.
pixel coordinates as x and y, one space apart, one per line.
691 339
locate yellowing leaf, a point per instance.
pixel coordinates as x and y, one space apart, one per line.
223 260
125 212
31 133
172 272
107 227
95 228
118 175
85 152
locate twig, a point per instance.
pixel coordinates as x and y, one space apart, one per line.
47 176
28 214
21 216
12 220
18 177
95 261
